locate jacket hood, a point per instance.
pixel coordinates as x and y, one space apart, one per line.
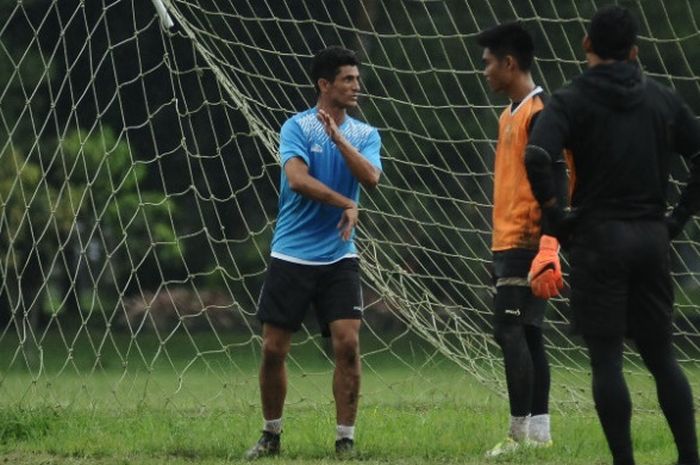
618 85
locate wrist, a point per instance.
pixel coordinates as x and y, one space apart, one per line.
681 214
338 138
549 243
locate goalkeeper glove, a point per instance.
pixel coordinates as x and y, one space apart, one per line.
545 272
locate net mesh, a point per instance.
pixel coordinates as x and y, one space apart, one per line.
139 179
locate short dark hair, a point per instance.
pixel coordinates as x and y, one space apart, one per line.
327 62
613 32
509 39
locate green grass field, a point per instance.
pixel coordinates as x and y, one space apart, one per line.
179 408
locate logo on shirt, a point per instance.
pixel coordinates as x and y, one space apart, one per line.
509 311
508 134
316 148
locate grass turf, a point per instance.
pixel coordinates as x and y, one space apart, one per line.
135 406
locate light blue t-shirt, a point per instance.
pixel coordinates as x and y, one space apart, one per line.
306 230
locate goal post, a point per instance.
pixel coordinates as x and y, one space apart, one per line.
139 180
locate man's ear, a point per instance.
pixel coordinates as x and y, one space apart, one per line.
587 45
322 85
510 62
634 52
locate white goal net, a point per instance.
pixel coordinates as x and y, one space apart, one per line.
139 179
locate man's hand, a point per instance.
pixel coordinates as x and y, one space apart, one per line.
329 125
676 220
545 272
348 221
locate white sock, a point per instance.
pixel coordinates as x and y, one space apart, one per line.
519 427
539 428
342 431
273 426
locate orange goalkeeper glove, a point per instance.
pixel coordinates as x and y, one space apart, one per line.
545 272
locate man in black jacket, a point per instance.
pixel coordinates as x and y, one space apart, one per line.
622 129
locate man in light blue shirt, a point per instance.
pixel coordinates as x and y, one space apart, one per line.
306 229
325 154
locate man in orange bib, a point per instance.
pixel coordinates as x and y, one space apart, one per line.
520 252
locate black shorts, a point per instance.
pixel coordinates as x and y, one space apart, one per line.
290 289
514 302
621 280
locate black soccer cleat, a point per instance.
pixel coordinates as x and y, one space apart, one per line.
345 447
267 446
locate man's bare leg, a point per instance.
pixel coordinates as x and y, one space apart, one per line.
346 379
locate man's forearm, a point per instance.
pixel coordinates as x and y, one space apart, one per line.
548 182
689 202
538 164
313 189
366 173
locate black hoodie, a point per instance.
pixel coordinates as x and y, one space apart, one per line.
622 129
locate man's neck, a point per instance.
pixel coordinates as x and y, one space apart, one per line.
337 113
521 88
594 60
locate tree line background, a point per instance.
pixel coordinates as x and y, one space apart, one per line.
134 160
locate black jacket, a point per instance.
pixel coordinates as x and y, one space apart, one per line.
622 129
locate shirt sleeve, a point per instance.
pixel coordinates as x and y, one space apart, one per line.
533 120
372 148
546 166
687 143
551 129
544 155
687 133
292 143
